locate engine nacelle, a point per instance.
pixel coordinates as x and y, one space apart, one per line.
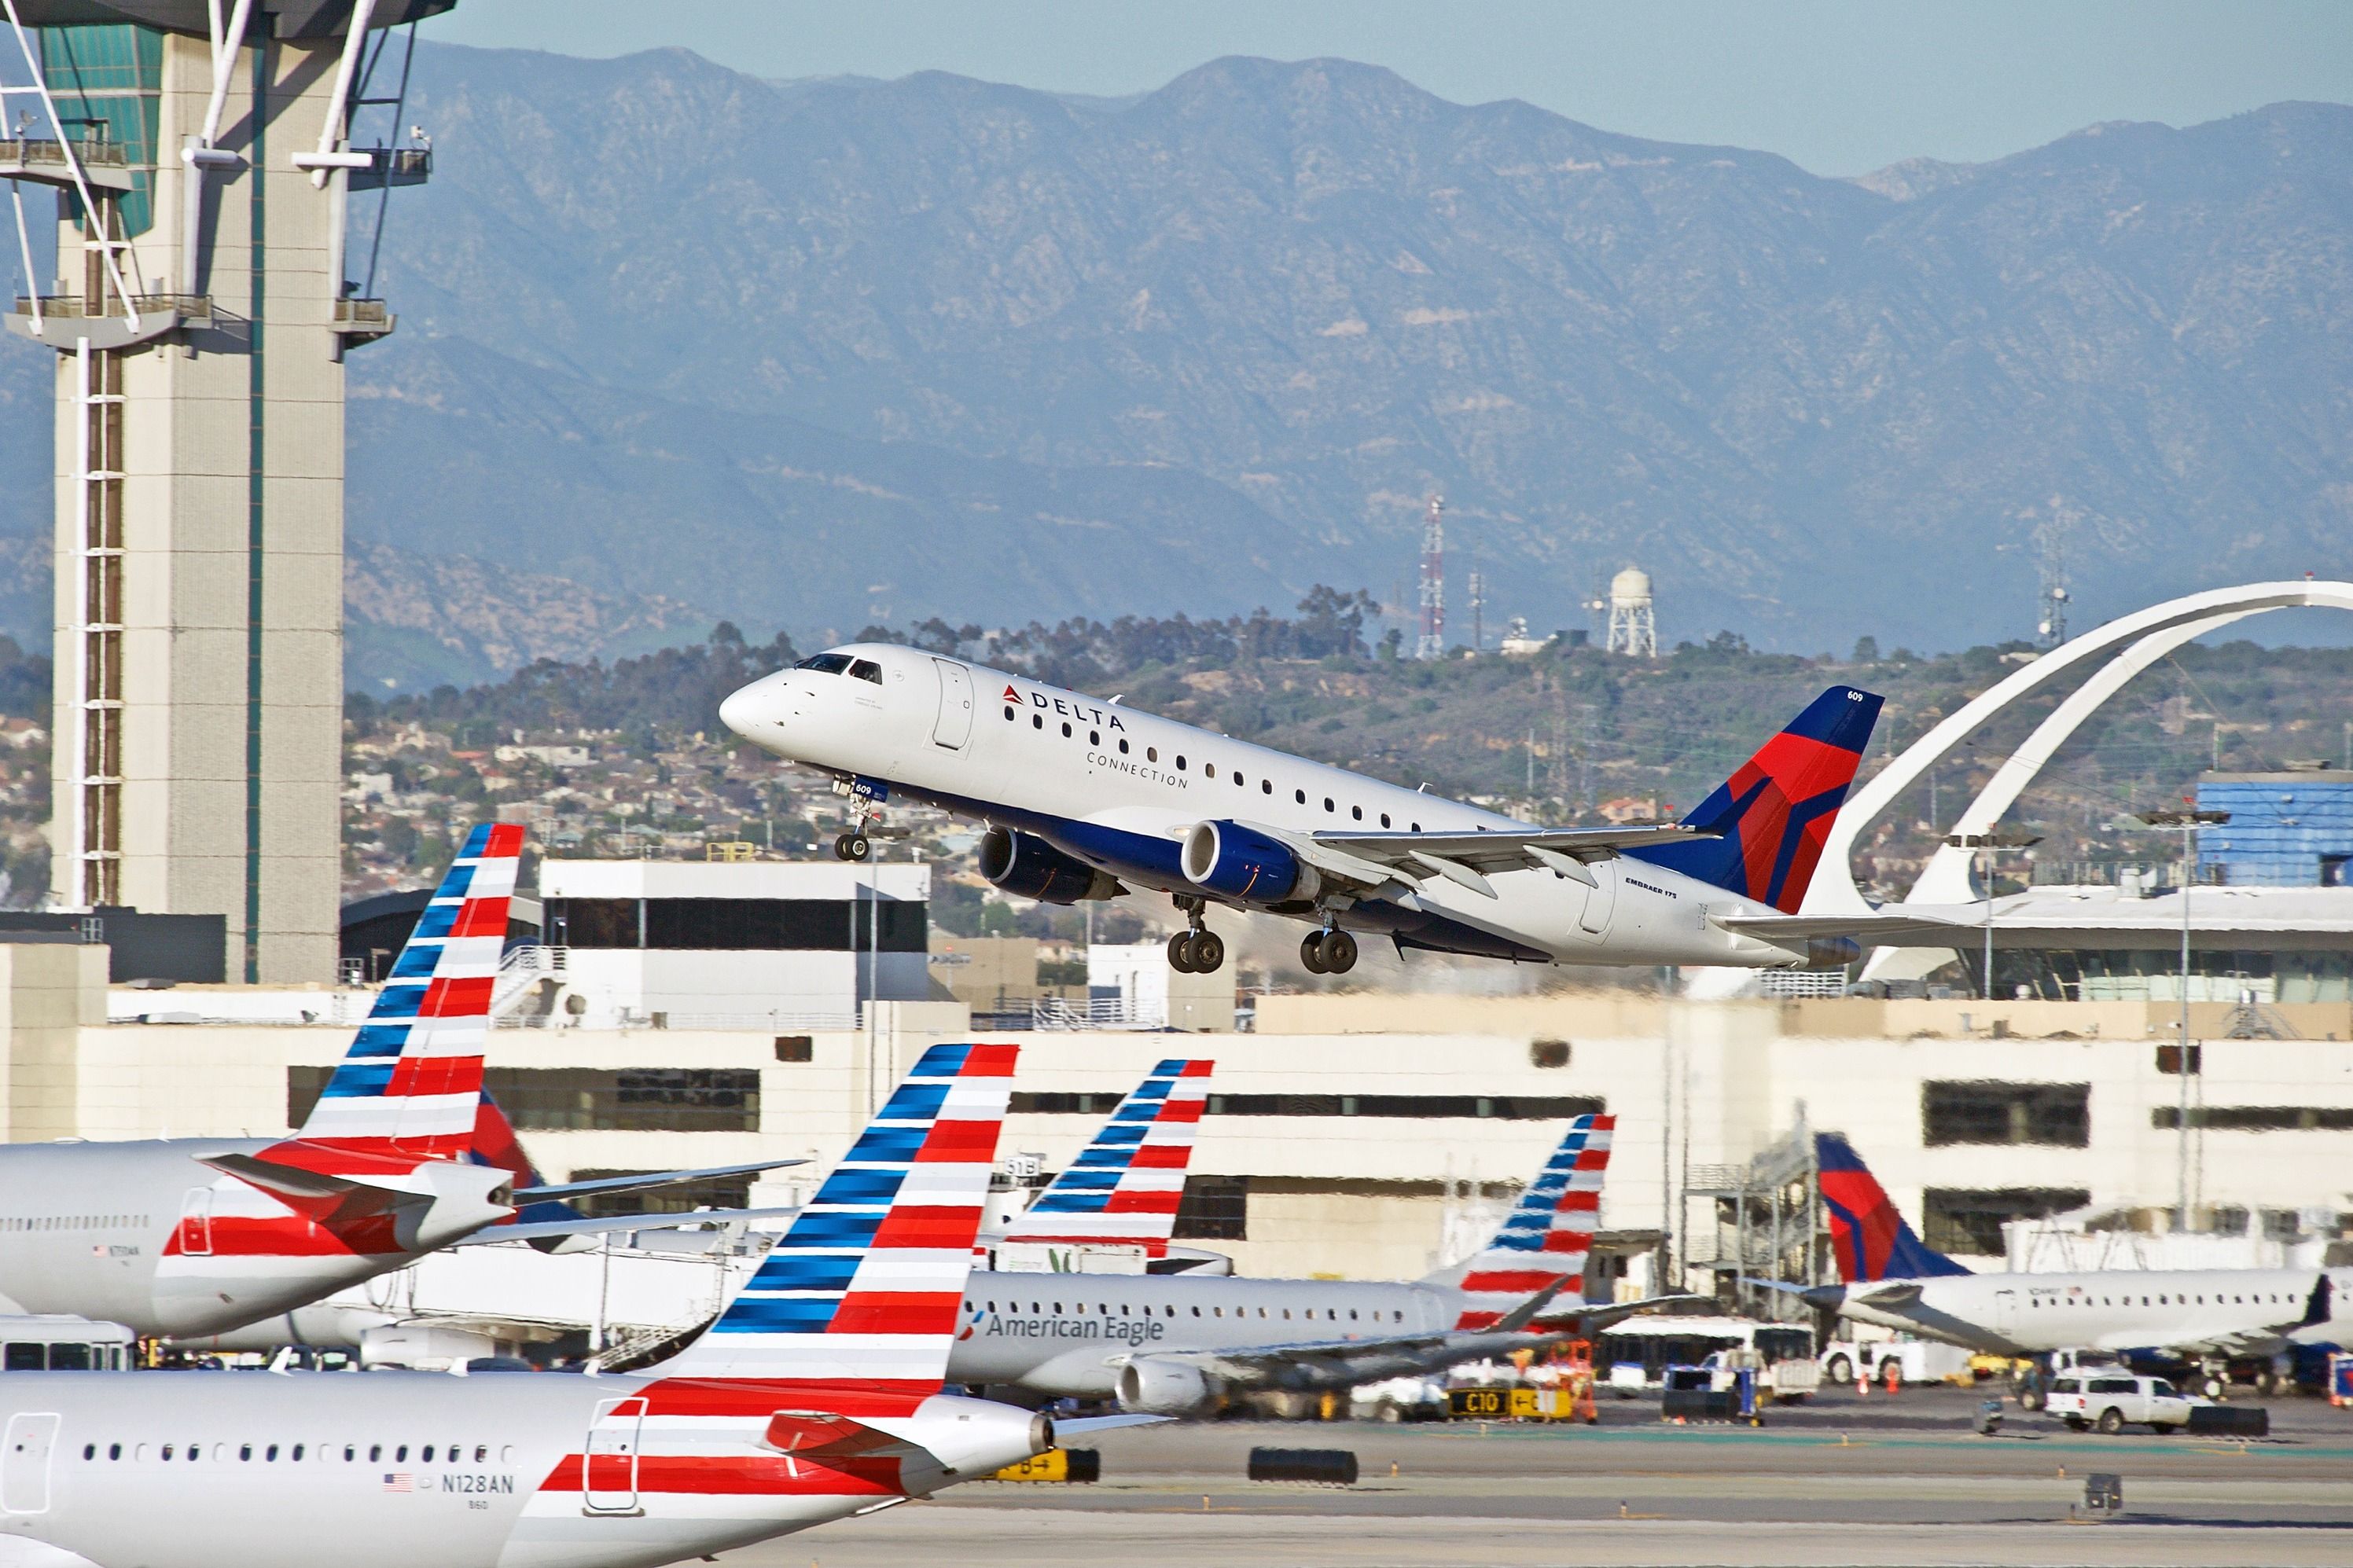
1244 865
1156 1385
1830 952
1028 867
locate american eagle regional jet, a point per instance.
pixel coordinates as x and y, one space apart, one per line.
189 1237
816 1394
1086 798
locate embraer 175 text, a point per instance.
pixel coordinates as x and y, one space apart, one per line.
191 1238
2213 1315
1085 798
816 1394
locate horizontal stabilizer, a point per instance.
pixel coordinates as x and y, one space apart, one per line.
823 1434
322 1197
641 1181
1079 1426
1591 1317
537 1230
1881 929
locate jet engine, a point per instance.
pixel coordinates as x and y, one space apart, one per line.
1244 865
1158 1385
1028 867
1828 952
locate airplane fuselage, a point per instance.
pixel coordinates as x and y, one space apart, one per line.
393 1469
2034 1314
142 1235
1117 789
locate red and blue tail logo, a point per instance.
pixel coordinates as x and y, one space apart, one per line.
1773 816
1871 1239
1125 1188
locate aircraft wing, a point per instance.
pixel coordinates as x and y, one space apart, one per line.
1397 862
1592 1317
584 1225
640 1181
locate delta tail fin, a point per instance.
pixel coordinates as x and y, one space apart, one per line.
1774 815
1543 1242
865 1287
1124 1188
411 1085
1870 1238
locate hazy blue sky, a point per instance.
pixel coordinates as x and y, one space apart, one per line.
1840 87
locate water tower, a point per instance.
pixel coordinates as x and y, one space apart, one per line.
1633 631
203 159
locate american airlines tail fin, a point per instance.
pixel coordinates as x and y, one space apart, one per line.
411 1084
1871 1239
1543 1242
1123 1190
866 1286
1775 813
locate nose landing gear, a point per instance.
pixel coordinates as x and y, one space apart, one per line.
1196 950
1328 952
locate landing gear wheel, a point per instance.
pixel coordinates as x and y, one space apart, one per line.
1180 952
842 847
855 847
1208 952
1311 953
1339 952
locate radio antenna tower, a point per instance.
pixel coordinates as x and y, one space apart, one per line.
1431 643
1478 608
2051 540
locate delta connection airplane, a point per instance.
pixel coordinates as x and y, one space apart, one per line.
1173 1344
1896 1280
1086 798
189 1237
816 1394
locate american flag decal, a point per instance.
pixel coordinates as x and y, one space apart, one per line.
1123 1189
399 1481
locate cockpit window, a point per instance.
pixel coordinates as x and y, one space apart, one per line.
866 670
825 663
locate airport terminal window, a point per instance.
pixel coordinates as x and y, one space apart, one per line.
2057 1114
593 1100
736 925
2257 1118
1214 1208
825 663
1969 1221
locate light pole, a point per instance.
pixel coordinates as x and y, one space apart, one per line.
2190 820
1988 845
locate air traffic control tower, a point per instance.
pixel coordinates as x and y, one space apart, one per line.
201 154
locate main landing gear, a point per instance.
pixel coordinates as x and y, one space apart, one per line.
1328 952
852 846
1196 950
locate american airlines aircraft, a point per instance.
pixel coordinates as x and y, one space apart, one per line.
817 1394
1895 1279
1173 1344
1086 798
195 1236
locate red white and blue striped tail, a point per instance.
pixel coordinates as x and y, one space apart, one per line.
1123 1189
1543 1242
865 1287
411 1083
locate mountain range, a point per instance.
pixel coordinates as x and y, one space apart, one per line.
813 354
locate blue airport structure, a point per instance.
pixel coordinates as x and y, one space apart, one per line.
2286 829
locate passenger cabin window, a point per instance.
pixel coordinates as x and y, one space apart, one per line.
866 670
1327 802
1037 721
1266 786
1208 770
1066 731
1300 795
1357 812
1122 748
1151 754
1180 761
825 663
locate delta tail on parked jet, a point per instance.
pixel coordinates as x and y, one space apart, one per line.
1085 799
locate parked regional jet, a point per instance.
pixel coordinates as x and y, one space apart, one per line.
192 1236
1085 798
1895 1279
1171 1344
816 1395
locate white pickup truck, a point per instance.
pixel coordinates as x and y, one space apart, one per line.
2110 1400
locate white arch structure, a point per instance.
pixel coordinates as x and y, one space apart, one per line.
2143 638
